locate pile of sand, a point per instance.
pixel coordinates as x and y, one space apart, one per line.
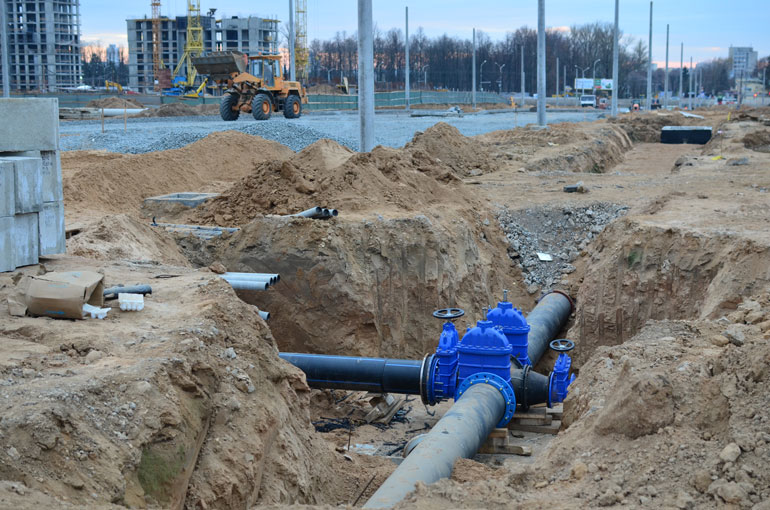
122 237
757 140
110 182
444 142
329 174
180 110
115 102
323 88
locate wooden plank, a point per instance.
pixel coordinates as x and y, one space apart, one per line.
553 428
498 433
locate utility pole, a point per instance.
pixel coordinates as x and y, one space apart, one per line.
689 94
522 75
565 79
292 37
556 90
681 72
615 87
541 63
407 90
365 77
4 48
648 101
665 76
473 74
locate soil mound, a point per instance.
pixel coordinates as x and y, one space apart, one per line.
645 127
115 102
445 143
119 183
180 110
758 140
383 180
122 237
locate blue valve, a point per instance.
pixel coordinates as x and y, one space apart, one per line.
514 326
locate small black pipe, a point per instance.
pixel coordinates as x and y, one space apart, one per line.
380 375
383 375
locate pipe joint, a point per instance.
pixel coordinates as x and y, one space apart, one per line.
494 380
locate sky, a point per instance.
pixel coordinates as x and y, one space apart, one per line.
706 27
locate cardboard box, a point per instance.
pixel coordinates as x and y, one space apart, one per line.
62 295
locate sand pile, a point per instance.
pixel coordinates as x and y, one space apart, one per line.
115 102
180 110
328 174
122 237
445 143
110 182
645 127
758 140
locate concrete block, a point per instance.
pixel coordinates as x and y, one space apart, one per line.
51 225
52 180
28 186
26 238
7 188
29 124
7 258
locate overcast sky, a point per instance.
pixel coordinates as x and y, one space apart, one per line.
707 27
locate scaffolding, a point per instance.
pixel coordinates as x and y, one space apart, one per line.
301 53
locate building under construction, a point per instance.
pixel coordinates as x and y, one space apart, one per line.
44 44
249 35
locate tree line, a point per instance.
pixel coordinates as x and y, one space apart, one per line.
444 62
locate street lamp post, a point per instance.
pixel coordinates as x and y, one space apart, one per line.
481 75
500 81
425 75
594 76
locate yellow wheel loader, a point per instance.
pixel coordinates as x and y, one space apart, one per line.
254 84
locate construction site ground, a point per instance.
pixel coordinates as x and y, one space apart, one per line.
186 403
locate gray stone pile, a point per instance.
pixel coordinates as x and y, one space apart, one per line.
560 232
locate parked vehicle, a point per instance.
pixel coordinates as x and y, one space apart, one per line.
588 100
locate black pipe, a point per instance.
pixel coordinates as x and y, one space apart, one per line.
383 375
353 373
546 321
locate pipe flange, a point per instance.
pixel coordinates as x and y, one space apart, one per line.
426 380
549 403
496 382
563 293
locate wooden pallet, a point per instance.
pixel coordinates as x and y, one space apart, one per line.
499 443
538 419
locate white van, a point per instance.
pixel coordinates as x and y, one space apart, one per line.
588 101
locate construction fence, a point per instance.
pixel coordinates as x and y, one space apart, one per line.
398 99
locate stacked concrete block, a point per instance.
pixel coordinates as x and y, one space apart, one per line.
31 199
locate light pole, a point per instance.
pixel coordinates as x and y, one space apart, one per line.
425 75
328 73
596 62
481 75
577 75
500 81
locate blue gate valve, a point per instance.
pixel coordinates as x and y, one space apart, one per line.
560 378
444 364
514 327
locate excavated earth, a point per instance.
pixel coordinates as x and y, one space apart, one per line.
187 405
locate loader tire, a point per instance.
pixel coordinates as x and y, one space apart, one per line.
292 107
261 107
226 111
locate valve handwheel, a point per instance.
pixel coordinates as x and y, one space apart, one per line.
562 345
449 313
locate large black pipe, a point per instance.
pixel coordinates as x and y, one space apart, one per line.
546 321
379 375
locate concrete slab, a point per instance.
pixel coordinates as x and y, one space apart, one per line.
7 259
52 180
29 183
51 228
29 124
7 188
25 239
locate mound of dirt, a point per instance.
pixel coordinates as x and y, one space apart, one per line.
110 182
180 110
122 237
645 127
115 102
758 140
330 175
446 144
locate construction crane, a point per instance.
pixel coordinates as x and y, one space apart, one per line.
301 53
193 47
157 62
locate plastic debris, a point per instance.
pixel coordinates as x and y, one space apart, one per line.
130 302
94 311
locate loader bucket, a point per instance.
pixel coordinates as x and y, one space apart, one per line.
219 65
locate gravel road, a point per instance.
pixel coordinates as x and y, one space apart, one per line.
392 129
